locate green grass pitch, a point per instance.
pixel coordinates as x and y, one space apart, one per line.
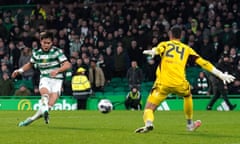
117 127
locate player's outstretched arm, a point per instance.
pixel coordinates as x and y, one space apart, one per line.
24 68
225 77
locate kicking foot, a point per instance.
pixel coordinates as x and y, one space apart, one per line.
25 122
46 117
144 129
194 126
148 127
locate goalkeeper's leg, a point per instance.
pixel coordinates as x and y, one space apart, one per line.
153 101
188 110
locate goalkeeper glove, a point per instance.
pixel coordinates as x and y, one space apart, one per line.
150 52
225 77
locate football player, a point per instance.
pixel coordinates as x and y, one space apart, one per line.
171 78
51 62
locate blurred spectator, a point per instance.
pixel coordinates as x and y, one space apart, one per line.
121 62
150 69
133 99
8 25
202 85
3 30
227 37
20 17
3 49
35 82
96 76
207 50
226 49
73 61
234 56
22 91
75 44
194 26
234 87
4 69
127 40
217 49
6 85
218 87
135 76
135 53
14 54
102 64
236 33
109 62
24 58
39 10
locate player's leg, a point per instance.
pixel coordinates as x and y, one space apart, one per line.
188 106
44 107
188 111
52 99
55 86
154 99
43 89
216 95
227 101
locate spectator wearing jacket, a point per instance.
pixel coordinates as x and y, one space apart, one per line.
133 99
81 88
96 76
7 85
134 75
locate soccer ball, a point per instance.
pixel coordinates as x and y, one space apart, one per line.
105 106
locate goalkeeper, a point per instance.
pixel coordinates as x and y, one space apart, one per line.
171 78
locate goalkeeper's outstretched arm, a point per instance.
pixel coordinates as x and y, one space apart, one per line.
226 78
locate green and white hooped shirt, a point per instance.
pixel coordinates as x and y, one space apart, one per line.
48 61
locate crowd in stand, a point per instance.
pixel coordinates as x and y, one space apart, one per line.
115 34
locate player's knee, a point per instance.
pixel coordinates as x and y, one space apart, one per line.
187 96
150 106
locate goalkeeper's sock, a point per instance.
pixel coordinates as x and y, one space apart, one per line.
188 107
148 116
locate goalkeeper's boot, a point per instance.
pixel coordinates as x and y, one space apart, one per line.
25 122
46 117
196 124
148 127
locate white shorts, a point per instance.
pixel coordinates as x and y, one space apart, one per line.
53 85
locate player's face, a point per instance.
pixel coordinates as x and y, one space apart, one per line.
46 44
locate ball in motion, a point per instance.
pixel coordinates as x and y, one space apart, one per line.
105 106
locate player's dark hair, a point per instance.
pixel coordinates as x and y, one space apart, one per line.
45 35
176 32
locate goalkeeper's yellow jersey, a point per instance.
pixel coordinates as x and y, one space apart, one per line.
174 56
